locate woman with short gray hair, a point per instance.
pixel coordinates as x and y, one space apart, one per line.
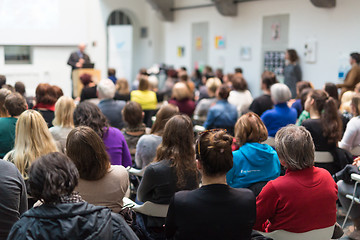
302 200
287 142
281 115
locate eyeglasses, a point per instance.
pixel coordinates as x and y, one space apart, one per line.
201 134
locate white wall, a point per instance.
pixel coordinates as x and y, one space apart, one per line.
334 29
49 65
49 61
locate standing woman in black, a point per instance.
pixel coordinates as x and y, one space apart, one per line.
292 70
214 211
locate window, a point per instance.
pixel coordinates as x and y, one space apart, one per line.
18 54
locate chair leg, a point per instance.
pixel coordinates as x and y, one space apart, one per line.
352 203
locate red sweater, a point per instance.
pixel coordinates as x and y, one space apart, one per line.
298 202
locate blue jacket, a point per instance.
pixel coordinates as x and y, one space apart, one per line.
279 117
253 162
221 115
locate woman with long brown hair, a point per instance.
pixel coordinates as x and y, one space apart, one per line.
174 167
147 144
100 182
324 124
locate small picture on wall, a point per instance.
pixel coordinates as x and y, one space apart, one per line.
198 43
275 31
245 53
219 42
180 52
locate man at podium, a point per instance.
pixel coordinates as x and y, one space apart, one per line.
79 58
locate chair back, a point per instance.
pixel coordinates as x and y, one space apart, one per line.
148 208
270 141
318 234
355 151
323 157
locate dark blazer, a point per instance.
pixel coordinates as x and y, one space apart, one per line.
74 58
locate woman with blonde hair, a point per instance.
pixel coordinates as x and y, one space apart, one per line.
180 98
63 121
32 140
122 90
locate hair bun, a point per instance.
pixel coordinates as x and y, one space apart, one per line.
221 140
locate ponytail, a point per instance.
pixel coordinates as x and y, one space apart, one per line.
330 119
331 122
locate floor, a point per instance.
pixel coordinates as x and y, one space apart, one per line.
340 220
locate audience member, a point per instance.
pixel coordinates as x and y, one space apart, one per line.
63 214
89 90
135 128
345 107
15 105
45 102
174 167
292 71
222 114
346 186
264 102
203 106
305 198
195 214
353 76
20 88
63 121
147 144
332 90
100 183
146 98
357 88
3 94
351 136
219 74
13 200
300 87
304 114
143 96
88 114
254 162
281 115
112 75
32 140
112 109
2 80
180 98
141 74
58 91
183 77
203 92
240 96
324 124
122 90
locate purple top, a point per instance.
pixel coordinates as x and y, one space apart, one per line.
116 147
186 106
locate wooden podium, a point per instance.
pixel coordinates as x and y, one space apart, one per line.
77 85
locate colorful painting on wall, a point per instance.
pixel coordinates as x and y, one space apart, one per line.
219 42
180 51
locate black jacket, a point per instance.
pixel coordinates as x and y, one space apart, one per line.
71 221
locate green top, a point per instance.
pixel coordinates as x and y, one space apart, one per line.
303 116
7 134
